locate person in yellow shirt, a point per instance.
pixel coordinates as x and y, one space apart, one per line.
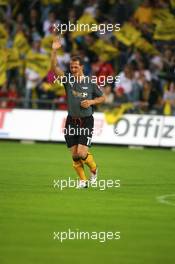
144 13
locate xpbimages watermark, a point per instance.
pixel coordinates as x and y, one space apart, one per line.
93 79
81 131
102 185
100 28
101 236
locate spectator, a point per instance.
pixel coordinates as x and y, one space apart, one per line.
169 98
168 60
145 95
128 83
120 96
101 68
142 74
109 96
61 102
143 71
20 23
3 96
48 23
144 13
32 81
12 95
34 22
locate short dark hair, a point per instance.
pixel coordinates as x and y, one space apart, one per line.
77 58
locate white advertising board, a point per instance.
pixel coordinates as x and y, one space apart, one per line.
48 125
168 132
25 124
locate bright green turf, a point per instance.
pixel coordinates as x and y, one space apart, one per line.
31 209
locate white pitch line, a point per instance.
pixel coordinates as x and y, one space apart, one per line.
163 199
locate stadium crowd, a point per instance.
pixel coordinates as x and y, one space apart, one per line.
141 54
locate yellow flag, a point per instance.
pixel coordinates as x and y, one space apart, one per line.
165 30
46 43
112 116
167 108
145 46
85 25
3 68
57 87
38 62
162 15
172 2
104 49
47 2
4 2
164 25
128 34
13 59
3 36
20 42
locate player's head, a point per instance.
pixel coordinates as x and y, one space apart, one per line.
76 65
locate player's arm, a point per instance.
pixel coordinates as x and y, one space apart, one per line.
98 98
54 65
95 101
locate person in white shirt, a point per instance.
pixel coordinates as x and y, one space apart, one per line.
129 83
142 74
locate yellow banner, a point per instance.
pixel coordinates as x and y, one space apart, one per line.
172 2
57 87
47 2
162 15
145 46
3 36
165 30
38 62
4 2
167 110
20 42
84 25
128 34
112 116
13 59
104 49
3 77
46 43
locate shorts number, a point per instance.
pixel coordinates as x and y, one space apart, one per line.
89 141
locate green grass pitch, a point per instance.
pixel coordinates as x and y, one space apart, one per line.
31 209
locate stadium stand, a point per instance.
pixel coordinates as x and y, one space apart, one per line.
141 54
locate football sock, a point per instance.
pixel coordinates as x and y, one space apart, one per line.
79 168
89 161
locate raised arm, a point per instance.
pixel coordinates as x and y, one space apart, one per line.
54 65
